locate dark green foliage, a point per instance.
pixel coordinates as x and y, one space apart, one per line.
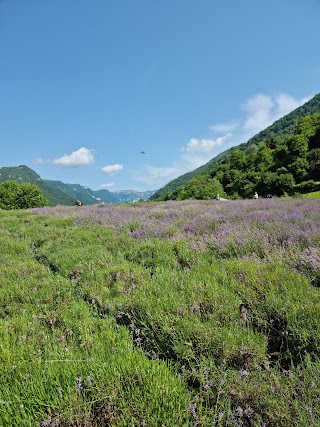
266 151
24 174
275 166
201 188
21 196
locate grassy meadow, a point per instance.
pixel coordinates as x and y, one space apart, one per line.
169 314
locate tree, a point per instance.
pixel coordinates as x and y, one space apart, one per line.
21 196
201 188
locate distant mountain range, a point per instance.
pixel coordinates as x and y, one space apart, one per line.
59 193
280 130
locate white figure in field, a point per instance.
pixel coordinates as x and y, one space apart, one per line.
218 196
255 196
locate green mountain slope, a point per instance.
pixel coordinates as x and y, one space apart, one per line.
279 129
85 194
276 166
59 193
24 174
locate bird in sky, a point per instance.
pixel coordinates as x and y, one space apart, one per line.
142 152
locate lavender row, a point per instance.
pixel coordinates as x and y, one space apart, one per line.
286 230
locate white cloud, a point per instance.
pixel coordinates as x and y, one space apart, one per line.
205 145
81 157
112 169
263 110
107 185
226 127
197 152
258 113
39 161
286 103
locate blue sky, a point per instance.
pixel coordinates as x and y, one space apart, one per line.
85 86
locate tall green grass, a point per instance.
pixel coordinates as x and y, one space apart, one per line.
314 195
100 329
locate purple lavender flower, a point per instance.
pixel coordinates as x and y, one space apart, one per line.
239 411
243 374
79 385
193 408
310 412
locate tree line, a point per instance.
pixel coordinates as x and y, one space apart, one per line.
277 165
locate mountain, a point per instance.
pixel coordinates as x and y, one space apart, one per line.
85 194
59 193
24 174
280 129
131 195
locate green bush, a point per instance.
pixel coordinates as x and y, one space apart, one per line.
21 196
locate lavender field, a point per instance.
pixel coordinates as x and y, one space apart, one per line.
283 230
198 313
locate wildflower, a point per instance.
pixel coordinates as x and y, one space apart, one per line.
249 411
243 374
243 350
208 386
79 385
193 408
310 412
239 411
90 379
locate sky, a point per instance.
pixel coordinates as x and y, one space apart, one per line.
130 94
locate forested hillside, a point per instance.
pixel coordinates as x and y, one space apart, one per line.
59 193
277 132
276 166
24 174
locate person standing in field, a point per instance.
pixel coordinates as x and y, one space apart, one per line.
255 196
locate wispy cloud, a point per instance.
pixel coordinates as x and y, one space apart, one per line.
39 161
263 110
81 157
155 177
107 185
204 145
112 169
226 127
